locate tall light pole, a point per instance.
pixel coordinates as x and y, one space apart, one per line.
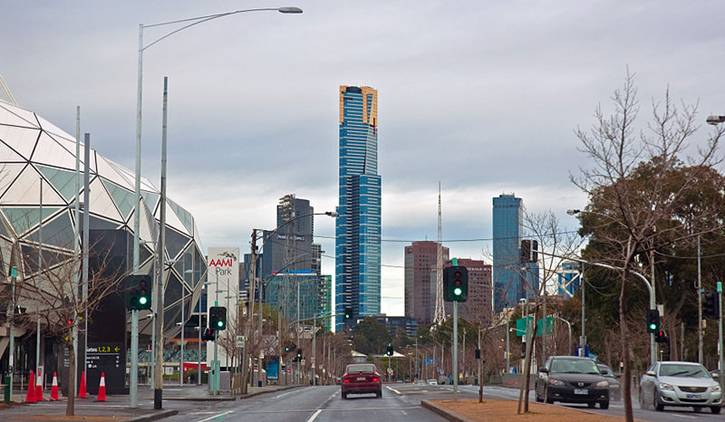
184 24
716 120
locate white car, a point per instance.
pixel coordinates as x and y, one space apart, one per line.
681 384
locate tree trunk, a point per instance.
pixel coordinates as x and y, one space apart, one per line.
525 383
70 407
627 381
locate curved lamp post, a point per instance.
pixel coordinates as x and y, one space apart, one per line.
186 24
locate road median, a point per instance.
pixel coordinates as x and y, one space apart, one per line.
505 410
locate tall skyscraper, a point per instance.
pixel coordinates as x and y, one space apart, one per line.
507 229
477 308
357 229
290 248
420 279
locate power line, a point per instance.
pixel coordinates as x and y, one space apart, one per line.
478 239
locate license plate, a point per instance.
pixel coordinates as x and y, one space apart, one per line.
693 396
581 391
360 378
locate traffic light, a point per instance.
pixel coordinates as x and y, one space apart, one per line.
389 351
455 284
653 321
208 334
218 318
298 355
139 287
660 336
289 347
710 306
347 313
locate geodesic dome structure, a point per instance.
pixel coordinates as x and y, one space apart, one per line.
35 153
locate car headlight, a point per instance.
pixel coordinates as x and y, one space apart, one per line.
602 384
665 386
715 388
554 381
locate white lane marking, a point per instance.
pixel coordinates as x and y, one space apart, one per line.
314 415
393 390
683 416
216 416
404 412
284 394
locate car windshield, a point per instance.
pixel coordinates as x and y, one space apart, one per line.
683 370
574 366
362 367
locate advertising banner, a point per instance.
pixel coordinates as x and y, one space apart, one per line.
223 290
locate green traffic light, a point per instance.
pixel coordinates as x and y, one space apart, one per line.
457 291
653 327
143 300
220 324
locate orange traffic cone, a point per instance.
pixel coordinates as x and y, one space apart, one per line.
30 396
102 388
54 388
39 387
82 394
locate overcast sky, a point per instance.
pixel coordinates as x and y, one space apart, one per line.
482 95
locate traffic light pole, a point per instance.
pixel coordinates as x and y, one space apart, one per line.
455 347
133 383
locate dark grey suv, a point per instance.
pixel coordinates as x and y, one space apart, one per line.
570 379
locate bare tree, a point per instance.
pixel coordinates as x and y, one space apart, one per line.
636 216
556 245
51 296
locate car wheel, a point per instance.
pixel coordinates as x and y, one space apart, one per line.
547 398
715 409
604 405
379 394
656 403
344 396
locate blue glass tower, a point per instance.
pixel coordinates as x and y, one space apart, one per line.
507 228
357 229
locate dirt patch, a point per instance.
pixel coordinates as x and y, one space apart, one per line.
505 410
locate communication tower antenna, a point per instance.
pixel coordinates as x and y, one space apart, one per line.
440 312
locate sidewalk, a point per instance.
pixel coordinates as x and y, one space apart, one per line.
115 409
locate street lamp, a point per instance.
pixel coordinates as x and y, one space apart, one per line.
187 23
716 120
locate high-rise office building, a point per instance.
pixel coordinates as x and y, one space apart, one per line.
290 247
420 278
477 307
357 229
507 230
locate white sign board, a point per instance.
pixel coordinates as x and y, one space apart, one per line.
222 290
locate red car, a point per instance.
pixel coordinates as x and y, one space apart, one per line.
361 378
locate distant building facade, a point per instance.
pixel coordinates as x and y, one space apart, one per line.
357 229
398 324
477 308
568 282
507 231
420 280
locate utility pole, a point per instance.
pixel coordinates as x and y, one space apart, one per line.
76 240
250 314
159 320
40 271
720 337
480 364
699 304
11 343
508 347
583 287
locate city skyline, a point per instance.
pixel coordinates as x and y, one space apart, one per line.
494 112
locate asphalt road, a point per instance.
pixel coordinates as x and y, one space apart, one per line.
400 402
311 404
